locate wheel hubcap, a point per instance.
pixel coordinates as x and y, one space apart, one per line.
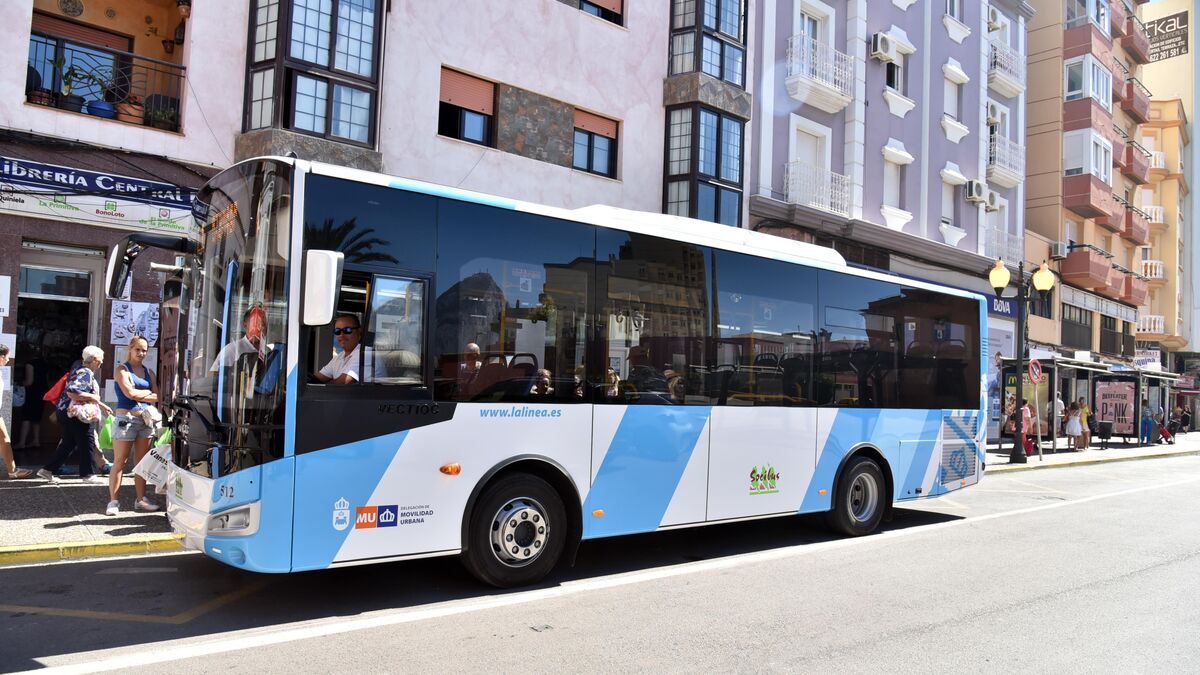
519 532
863 497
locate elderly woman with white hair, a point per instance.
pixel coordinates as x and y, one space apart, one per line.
83 389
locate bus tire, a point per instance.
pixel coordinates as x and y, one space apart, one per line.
517 532
858 501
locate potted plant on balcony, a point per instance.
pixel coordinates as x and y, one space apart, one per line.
69 76
185 8
131 110
34 91
162 118
105 81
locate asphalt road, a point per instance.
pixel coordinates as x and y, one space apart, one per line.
1083 569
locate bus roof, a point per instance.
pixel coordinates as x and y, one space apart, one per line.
691 230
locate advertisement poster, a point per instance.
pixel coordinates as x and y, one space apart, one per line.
134 318
1029 390
1115 403
1000 344
1168 36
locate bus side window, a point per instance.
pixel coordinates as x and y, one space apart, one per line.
395 332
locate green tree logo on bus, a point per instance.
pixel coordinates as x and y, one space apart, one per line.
764 480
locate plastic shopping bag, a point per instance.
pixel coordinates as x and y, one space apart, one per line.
153 467
104 438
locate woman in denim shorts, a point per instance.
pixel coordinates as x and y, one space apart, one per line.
135 392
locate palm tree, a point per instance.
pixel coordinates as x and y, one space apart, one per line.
354 242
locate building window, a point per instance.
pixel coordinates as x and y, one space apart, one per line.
1040 307
952 9
894 73
1085 76
1079 12
609 10
717 29
950 106
949 205
1085 151
595 144
707 158
893 178
466 107
325 81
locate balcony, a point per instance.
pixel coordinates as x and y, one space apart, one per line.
1137 290
1114 220
1157 215
1120 74
819 75
1137 226
1118 138
1155 271
818 188
1152 324
1006 162
1114 285
1137 163
1136 103
1085 113
1117 17
1086 267
1087 195
1002 244
1136 41
1006 70
115 85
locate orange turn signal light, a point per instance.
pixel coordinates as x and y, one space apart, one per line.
452 469
599 513
822 491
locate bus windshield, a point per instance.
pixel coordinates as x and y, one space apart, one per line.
235 385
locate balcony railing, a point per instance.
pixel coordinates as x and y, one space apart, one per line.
1152 323
1136 41
1136 103
1158 159
1155 212
1006 161
818 188
1137 163
1154 269
819 74
1006 69
104 82
1076 335
1110 342
998 243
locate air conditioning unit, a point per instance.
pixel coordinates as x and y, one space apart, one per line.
975 191
993 19
993 200
993 113
1059 250
882 48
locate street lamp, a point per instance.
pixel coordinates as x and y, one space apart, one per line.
1043 281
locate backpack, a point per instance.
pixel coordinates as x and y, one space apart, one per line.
56 391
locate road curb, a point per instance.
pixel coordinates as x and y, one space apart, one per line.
1007 468
73 550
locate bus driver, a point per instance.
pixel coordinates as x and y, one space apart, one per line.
343 368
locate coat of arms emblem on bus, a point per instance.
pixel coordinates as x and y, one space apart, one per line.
341 514
764 480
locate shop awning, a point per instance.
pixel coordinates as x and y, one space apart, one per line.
1093 366
1160 374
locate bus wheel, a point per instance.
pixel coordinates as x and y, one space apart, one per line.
858 502
517 532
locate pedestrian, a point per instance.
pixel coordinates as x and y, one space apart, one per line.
1074 427
1054 411
81 388
1146 432
1026 427
6 451
34 380
136 393
1088 421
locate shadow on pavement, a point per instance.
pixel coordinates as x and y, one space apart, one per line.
113 603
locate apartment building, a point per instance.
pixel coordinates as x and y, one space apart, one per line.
894 131
1085 207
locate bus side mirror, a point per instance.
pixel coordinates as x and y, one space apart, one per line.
322 278
120 266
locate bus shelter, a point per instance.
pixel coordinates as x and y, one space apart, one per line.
1123 394
1066 379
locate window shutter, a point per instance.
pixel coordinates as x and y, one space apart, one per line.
467 92
75 32
595 124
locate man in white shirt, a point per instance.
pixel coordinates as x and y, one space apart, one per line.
343 368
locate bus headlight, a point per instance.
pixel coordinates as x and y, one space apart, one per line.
237 522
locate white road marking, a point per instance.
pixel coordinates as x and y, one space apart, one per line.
221 643
138 570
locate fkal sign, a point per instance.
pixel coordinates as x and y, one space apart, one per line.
1168 36
1002 307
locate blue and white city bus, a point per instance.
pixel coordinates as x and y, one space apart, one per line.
528 377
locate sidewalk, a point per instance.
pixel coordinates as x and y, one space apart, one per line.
997 456
41 522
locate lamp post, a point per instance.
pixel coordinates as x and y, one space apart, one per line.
1043 281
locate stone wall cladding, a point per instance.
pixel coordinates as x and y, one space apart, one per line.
709 91
280 141
534 126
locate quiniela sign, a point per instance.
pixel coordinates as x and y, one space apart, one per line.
64 193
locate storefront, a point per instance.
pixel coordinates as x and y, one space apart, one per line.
58 220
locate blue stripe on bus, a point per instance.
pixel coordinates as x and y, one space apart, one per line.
289 416
918 466
452 193
330 482
269 549
642 468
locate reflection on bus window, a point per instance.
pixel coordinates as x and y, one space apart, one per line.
397 320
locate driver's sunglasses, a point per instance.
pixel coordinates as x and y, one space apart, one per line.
345 331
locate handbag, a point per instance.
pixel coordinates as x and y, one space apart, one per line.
18 397
1093 424
56 391
84 411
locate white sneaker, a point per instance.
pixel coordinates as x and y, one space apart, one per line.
144 504
94 479
46 475
113 508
